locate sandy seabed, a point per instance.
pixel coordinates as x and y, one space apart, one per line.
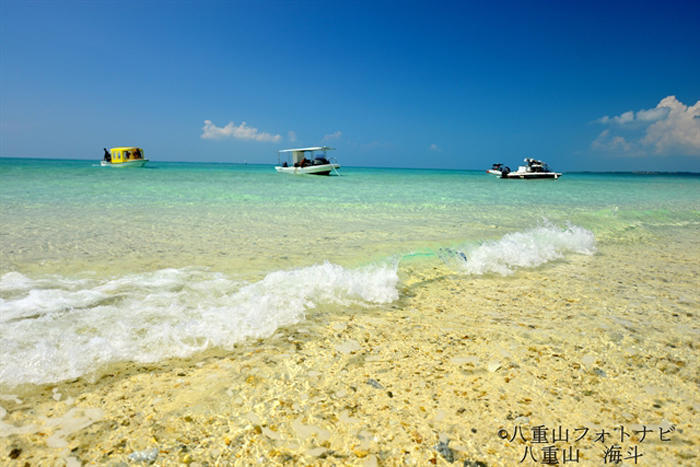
470 370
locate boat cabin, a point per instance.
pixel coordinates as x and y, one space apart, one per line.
124 154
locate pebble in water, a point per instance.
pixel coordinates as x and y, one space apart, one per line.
374 383
147 455
445 451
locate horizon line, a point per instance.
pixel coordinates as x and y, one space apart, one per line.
636 172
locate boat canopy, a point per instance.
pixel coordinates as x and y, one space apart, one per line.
315 148
300 153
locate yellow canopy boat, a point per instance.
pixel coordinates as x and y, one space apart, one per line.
126 156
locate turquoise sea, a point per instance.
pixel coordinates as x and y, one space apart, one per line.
102 265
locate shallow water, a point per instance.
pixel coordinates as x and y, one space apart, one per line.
99 265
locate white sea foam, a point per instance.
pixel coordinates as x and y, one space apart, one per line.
526 249
57 328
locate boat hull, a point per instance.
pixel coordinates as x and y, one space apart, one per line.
134 163
322 169
532 175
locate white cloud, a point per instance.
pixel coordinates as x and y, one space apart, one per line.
652 115
292 136
334 135
670 128
649 115
625 118
607 142
434 147
621 119
678 131
242 131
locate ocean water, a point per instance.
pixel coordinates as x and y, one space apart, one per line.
100 266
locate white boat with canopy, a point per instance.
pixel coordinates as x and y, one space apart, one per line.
305 161
534 169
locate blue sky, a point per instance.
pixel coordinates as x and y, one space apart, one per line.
582 85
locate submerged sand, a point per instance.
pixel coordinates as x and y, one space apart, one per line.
595 342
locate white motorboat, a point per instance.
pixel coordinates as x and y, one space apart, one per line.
534 169
312 165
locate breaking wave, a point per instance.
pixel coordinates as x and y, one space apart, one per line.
58 328
526 249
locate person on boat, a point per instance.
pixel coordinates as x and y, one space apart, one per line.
137 154
126 155
284 164
108 156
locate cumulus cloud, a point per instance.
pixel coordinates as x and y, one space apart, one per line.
607 142
679 130
621 119
632 117
334 135
652 115
670 128
231 130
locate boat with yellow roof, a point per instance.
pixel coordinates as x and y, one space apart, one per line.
125 156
